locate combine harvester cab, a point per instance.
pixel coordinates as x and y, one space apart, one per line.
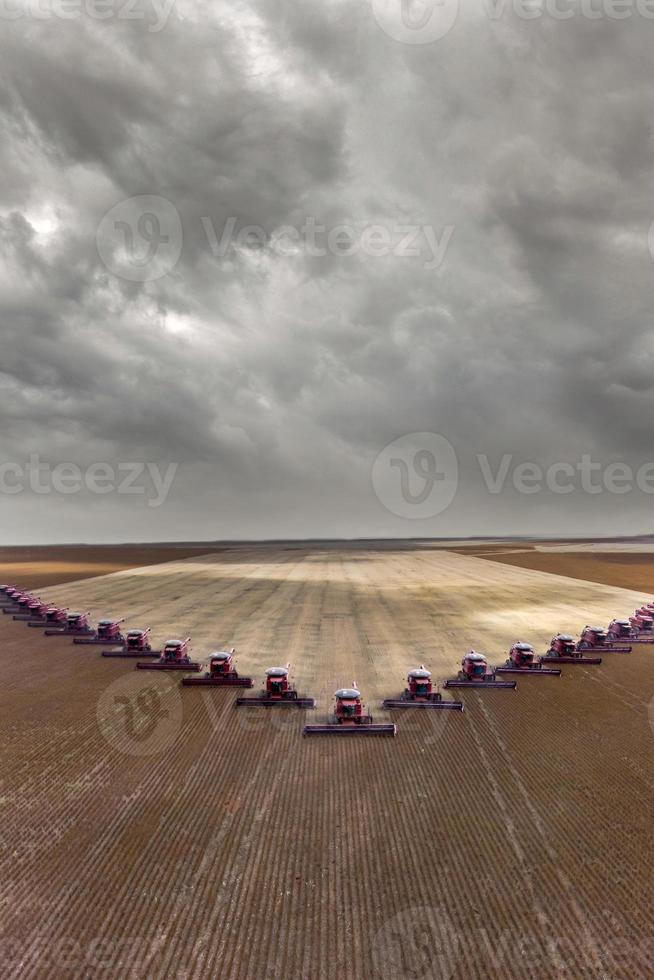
349 718
76 624
136 644
522 660
596 640
174 656
419 693
642 627
476 673
222 673
34 610
277 693
54 616
108 631
563 650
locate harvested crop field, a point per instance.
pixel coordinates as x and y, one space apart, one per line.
155 831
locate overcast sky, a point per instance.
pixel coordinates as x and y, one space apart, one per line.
493 285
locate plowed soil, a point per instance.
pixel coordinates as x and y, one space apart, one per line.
150 830
627 570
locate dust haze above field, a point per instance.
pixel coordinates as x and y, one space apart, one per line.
272 381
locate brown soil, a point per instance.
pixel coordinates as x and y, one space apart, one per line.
156 831
625 570
37 567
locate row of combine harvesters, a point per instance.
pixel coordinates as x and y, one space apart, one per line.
349 716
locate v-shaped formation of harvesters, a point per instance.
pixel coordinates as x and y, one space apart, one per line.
349 716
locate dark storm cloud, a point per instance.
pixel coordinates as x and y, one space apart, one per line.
274 379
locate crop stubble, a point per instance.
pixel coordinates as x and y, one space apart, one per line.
509 841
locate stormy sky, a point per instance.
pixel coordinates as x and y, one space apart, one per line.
326 269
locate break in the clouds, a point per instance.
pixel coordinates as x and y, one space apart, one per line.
260 242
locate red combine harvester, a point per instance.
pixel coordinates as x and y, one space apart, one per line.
221 673
35 609
22 603
419 693
476 673
522 660
136 644
278 693
76 624
563 650
349 718
642 627
596 640
9 595
621 629
108 631
15 598
174 656
54 615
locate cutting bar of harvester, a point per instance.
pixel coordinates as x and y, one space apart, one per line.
529 671
350 730
168 665
264 702
96 641
66 631
480 685
217 681
132 654
406 703
577 661
608 648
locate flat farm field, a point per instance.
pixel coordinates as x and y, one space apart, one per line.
150 830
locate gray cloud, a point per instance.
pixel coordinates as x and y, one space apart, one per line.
274 380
